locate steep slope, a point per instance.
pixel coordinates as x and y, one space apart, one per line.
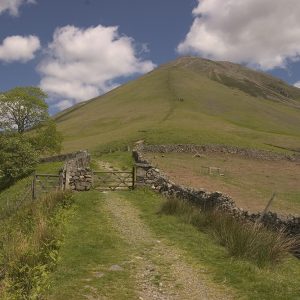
190 100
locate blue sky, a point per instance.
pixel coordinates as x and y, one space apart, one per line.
77 49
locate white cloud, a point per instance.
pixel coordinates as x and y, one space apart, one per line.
297 84
19 48
264 34
83 63
64 104
12 6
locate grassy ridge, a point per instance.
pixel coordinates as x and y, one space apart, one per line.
209 111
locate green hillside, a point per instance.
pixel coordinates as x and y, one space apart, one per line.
190 100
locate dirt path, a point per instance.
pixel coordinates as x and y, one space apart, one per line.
160 271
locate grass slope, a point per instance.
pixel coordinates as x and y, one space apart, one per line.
189 101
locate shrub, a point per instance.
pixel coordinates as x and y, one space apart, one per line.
17 157
244 240
29 246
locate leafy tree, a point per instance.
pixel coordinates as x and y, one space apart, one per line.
46 139
22 108
17 157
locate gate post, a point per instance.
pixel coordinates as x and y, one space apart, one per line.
133 177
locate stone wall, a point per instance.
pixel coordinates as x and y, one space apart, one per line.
146 174
77 174
244 152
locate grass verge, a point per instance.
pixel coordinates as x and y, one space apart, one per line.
29 241
248 280
19 193
248 241
91 246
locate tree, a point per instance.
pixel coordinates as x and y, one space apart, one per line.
46 139
18 158
22 108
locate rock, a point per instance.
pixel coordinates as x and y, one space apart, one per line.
98 274
116 268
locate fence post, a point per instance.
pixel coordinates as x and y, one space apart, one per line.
33 186
61 180
133 177
267 208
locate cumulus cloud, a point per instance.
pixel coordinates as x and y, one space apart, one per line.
19 48
64 104
297 84
12 6
83 63
263 34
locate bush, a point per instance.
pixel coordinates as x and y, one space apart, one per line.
244 240
29 247
17 157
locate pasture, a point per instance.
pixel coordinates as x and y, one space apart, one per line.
249 182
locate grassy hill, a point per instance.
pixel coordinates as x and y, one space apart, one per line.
190 100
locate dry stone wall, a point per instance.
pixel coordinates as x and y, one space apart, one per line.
199 149
148 175
77 174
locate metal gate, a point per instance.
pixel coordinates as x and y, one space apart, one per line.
113 180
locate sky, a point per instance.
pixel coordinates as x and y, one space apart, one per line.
78 49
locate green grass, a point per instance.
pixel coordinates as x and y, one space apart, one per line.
49 168
248 241
212 112
122 160
29 243
21 187
91 245
249 281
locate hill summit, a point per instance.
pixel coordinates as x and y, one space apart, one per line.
190 100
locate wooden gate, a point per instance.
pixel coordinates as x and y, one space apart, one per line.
45 183
113 180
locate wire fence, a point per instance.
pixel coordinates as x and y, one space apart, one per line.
13 204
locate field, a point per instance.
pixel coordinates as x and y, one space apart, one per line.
249 182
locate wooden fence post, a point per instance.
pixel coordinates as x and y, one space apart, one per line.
33 187
133 177
267 208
